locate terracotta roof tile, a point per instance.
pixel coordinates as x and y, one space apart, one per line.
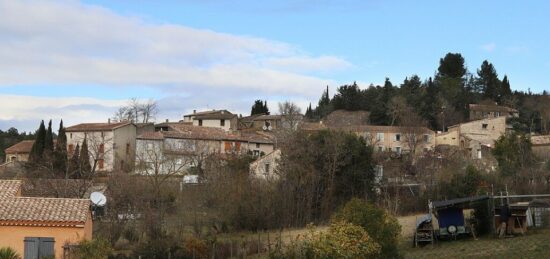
42 211
97 126
24 146
157 135
9 188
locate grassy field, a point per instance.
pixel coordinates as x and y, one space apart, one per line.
535 244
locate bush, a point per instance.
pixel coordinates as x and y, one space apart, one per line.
8 253
195 248
342 240
381 226
93 249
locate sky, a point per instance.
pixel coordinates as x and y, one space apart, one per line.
81 60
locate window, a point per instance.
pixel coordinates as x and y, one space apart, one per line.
398 150
484 114
222 123
267 165
39 247
484 126
397 137
200 122
71 149
100 163
257 145
127 148
379 136
497 114
426 138
479 154
101 148
380 149
389 149
71 135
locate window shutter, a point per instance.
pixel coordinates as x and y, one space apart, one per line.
45 248
31 248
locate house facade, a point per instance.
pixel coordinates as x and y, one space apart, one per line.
474 136
40 227
396 139
110 145
222 119
491 110
19 152
541 146
265 167
183 146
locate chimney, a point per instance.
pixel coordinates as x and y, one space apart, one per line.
109 121
166 120
194 111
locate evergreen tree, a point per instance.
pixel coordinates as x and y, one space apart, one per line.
347 97
74 164
60 152
452 65
48 140
505 90
309 112
324 106
37 149
259 107
488 81
84 159
379 112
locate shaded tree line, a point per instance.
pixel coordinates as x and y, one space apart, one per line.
439 101
11 137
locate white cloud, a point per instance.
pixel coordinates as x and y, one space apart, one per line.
32 109
489 47
71 43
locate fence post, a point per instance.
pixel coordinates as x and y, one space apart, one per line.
258 242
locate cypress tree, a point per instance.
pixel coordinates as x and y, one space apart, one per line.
74 165
37 149
48 139
60 152
85 167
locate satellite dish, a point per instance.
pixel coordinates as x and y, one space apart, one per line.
269 128
98 199
264 127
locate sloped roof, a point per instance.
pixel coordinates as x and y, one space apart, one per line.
97 126
268 117
458 202
377 128
340 118
194 132
9 188
490 108
35 211
215 116
211 112
157 135
24 146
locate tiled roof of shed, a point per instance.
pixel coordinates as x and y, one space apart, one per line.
39 211
24 146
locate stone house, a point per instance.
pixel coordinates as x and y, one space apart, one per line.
491 110
266 166
474 136
40 227
395 138
19 152
111 145
222 119
541 146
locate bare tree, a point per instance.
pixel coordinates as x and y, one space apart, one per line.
137 111
291 114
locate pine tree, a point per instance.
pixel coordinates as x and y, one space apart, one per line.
84 159
60 152
505 90
37 149
74 164
259 107
488 80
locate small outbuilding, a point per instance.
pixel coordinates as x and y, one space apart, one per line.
38 227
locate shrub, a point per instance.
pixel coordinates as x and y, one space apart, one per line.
93 249
342 240
381 226
195 248
8 253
